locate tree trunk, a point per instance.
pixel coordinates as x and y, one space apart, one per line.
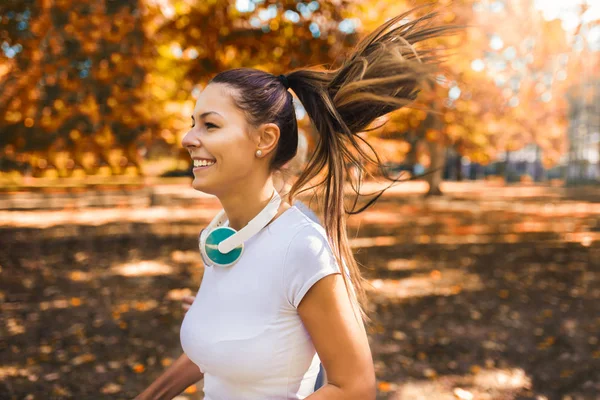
411 156
458 166
437 153
133 157
507 174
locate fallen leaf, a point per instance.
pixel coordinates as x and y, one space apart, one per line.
111 388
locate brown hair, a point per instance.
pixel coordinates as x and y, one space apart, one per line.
383 74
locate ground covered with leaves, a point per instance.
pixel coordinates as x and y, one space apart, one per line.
486 293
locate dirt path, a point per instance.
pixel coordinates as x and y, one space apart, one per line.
475 296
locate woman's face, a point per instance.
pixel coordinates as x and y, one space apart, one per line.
219 142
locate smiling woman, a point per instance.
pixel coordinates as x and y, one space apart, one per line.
274 304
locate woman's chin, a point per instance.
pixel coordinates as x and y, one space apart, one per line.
202 185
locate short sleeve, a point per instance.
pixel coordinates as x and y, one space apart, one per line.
309 258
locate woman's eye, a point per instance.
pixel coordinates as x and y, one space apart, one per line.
210 125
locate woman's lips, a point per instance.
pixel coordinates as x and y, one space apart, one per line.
203 167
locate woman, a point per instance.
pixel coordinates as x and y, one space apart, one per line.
283 186
273 306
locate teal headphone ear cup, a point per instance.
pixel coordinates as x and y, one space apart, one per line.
212 252
215 234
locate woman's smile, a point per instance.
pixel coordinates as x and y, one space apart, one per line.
201 164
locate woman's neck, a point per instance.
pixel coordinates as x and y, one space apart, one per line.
282 186
246 202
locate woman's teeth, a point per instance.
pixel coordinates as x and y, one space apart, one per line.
203 163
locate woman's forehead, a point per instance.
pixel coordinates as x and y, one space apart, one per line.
216 98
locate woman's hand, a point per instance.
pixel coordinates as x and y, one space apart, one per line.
186 302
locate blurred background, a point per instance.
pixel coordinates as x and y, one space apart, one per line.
485 272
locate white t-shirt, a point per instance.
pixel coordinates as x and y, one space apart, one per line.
243 329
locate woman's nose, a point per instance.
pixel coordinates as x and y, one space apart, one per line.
191 139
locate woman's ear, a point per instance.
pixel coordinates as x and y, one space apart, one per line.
267 138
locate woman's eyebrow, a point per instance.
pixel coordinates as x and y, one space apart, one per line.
208 113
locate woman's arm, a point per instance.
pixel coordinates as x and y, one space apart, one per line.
181 374
340 340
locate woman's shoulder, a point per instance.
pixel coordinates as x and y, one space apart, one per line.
310 241
306 224
297 231
307 211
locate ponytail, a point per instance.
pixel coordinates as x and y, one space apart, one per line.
383 74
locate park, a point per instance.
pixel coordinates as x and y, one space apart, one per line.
482 260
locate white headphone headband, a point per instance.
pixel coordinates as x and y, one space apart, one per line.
252 228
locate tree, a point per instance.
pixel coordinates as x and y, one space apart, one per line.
584 99
496 92
73 79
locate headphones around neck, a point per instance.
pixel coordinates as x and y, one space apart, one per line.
222 246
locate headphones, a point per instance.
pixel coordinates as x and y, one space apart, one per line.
222 246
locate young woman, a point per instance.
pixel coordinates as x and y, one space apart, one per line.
273 304
281 180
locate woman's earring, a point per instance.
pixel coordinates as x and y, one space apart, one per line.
258 153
